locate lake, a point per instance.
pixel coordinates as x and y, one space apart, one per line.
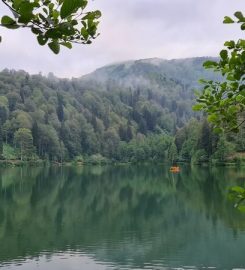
122 217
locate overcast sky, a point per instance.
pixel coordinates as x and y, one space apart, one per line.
130 29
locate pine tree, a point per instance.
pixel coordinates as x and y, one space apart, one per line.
205 139
60 110
35 135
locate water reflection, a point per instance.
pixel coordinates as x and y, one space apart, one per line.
119 218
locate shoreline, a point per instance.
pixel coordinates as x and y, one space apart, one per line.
19 163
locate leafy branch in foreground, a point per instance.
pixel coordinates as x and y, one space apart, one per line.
54 22
224 100
237 194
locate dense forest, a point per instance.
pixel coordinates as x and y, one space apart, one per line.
127 112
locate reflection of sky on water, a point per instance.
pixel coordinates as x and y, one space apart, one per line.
61 261
80 261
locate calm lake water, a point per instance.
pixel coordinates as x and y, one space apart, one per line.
128 217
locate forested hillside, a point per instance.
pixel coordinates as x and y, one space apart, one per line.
124 112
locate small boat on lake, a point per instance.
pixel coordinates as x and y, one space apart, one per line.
175 169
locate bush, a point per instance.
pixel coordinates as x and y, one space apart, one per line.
79 159
97 159
200 156
9 153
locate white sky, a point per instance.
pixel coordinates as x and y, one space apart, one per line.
130 29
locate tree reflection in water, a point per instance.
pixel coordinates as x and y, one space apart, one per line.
125 215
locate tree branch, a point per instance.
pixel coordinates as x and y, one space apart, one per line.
241 123
13 10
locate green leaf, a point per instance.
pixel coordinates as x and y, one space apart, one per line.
53 33
228 20
230 77
232 109
42 40
217 130
84 33
239 16
241 208
224 54
9 23
45 10
82 3
241 43
237 189
6 20
202 100
16 4
36 31
42 17
74 22
66 29
197 107
212 118
67 44
210 64
56 14
54 46
97 14
202 81
230 44
240 98
242 92
68 7
25 11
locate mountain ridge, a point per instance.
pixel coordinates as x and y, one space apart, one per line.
152 60
187 71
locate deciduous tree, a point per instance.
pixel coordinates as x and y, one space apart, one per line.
23 139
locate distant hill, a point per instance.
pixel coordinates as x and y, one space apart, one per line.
152 73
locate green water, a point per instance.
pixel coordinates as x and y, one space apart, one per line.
138 217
